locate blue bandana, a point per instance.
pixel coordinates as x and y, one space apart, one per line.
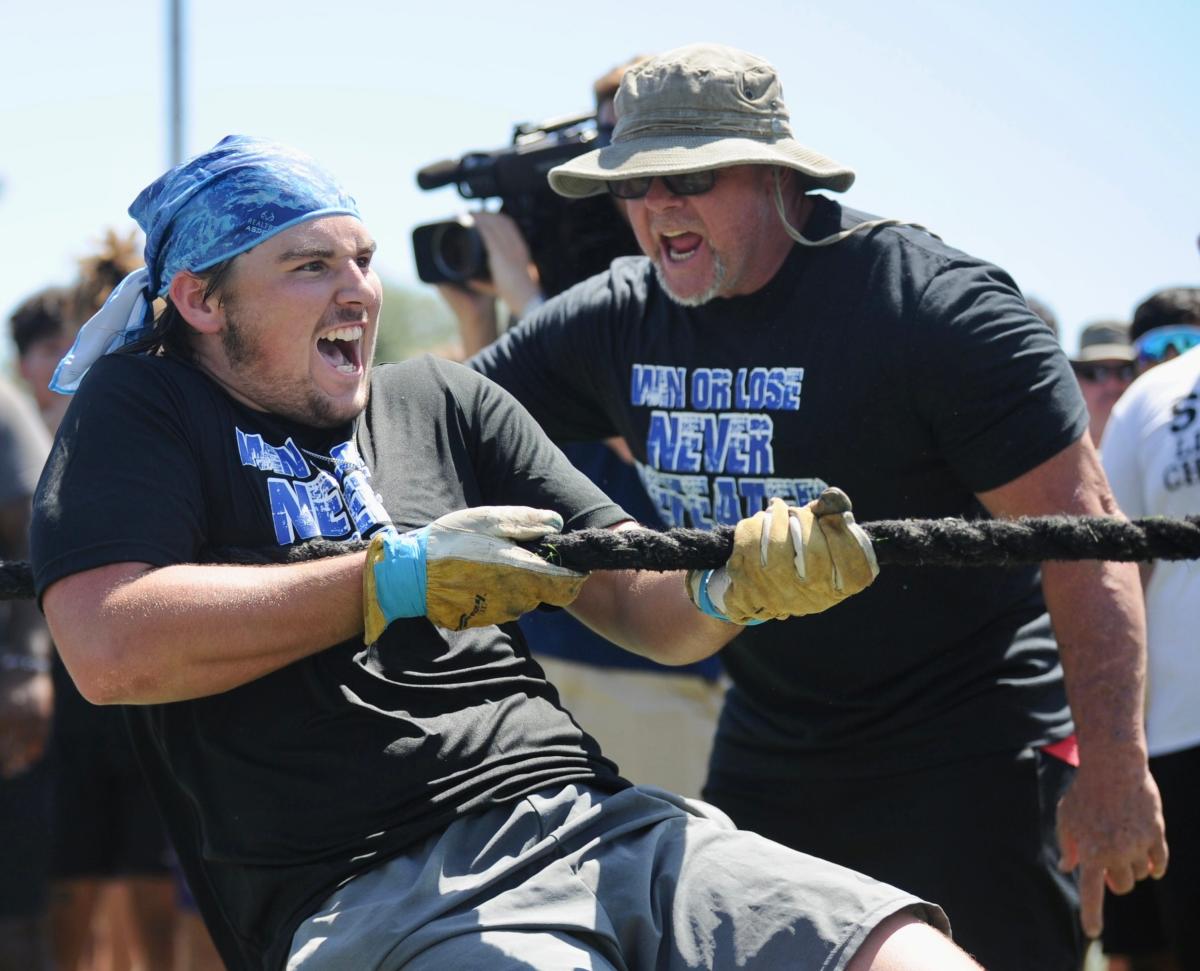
200 213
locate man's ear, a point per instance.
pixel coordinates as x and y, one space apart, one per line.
206 316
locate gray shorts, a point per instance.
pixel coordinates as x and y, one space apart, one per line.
575 878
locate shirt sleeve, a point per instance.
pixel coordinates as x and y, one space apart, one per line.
517 464
122 483
550 361
989 377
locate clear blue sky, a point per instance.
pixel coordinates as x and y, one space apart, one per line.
1058 138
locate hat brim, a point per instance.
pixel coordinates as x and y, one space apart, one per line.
586 175
1105 352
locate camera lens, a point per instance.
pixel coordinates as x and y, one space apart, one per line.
458 252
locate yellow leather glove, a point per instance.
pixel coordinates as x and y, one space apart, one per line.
788 562
464 570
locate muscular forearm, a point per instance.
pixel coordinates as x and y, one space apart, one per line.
1100 626
1110 822
134 635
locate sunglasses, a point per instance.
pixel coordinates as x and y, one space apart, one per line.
1099 373
685 184
1161 343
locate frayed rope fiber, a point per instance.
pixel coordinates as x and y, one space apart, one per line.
897 542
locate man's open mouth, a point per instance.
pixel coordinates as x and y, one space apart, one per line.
680 246
342 348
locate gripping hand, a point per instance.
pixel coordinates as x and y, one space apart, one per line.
464 570
788 562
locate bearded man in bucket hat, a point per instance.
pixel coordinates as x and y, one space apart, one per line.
771 341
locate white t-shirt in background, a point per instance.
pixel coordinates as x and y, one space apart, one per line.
1151 453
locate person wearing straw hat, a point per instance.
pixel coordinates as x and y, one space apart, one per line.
1105 368
360 765
771 341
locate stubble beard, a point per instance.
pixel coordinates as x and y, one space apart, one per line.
711 292
306 406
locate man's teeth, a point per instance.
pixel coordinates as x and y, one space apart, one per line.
341 358
345 333
678 256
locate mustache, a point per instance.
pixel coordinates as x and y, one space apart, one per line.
347 315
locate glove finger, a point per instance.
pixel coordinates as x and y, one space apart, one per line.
524 559
774 546
468 546
796 534
506 522
831 500
850 550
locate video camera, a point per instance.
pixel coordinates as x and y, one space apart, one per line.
569 239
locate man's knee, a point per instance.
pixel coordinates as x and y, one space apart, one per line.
902 942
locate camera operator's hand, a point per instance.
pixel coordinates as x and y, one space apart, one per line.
514 276
475 312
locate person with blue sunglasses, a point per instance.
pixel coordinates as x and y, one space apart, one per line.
1165 325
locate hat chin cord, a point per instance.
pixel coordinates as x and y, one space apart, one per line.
834 237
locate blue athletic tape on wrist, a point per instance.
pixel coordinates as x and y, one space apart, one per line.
400 577
707 606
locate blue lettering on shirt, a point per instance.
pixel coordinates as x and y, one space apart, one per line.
691 441
305 505
710 454
711 388
291 511
689 500
657 386
283 460
768 389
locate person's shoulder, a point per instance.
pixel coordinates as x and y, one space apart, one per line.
424 378
420 371
626 280
145 377
16 408
631 269
24 442
122 367
1179 372
906 240
1162 386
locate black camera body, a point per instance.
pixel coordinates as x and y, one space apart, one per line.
569 239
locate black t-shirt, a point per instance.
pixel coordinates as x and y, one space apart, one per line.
279 789
909 374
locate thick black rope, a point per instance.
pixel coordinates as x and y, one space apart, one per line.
904 542
897 542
